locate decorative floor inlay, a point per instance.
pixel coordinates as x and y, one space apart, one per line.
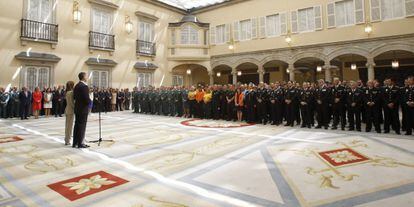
339 157
205 123
10 139
85 185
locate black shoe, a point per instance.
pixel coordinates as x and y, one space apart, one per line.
83 146
318 127
351 129
387 132
303 126
334 128
408 133
398 133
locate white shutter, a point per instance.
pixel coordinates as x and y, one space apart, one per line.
33 10
228 33
262 27
330 11
96 19
254 28
104 79
375 10
359 12
283 23
409 8
212 35
318 17
236 31
46 8
294 21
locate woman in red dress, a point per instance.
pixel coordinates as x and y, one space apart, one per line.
37 102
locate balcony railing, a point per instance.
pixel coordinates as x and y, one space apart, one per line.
38 30
101 41
145 48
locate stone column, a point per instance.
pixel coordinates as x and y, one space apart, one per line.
261 72
211 76
328 74
291 69
370 66
234 73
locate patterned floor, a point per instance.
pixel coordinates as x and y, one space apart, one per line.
172 162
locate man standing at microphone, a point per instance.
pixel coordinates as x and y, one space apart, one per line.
82 100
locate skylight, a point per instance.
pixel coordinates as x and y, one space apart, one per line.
189 4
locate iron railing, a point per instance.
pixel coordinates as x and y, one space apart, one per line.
39 30
145 48
101 41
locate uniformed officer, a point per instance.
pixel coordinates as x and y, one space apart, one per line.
207 103
408 102
322 96
372 100
338 104
306 99
354 103
291 97
250 104
261 100
215 102
391 106
127 99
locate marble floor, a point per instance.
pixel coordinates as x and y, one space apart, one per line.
153 161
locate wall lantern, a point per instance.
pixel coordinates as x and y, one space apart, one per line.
353 66
188 72
218 74
128 25
77 14
319 68
239 73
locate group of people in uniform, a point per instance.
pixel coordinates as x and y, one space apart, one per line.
338 104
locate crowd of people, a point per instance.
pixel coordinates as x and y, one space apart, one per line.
339 104
23 103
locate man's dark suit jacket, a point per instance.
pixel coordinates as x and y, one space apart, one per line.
25 100
81 97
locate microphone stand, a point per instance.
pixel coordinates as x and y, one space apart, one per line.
100 125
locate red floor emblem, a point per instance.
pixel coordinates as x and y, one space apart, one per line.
85 185
208 123
343 156
10 139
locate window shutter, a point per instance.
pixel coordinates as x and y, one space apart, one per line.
375 10
236 31
262 27
212 35
294 21
46 9
330 11
409 8
318 17
254 28
228 33
359 12
283 23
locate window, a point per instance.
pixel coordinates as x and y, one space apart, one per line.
273 25
101 21
36 76
146 31
189 35
306 20
391 9
221 34
344 13
144 80
99 78
40 10
178 80
246 30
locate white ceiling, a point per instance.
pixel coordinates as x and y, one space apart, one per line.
189 4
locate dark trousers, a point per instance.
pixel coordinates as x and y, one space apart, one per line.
207 110
261 112
354 118
24 111
409 120
58 108
230 111
391 118
290 114
338 115
79 129
322 115
306 116
372 117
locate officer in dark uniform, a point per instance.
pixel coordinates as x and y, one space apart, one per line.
354 102
223 102
338 104
250 104
391 106
4 100
170 100
164 100
306 99
408 103
179 102
157 101
322 96
272 102
291 98
261 100
144 102
127 99
215 102
372 100
230 106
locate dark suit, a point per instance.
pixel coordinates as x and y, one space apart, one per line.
25 99
81 97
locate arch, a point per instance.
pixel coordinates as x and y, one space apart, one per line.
246 60
177 64
281 58
309 54
219 63
392 47
348 51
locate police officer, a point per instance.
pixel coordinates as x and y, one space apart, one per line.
215 102
322 95
261 99
372 100
250 104
230 106
391 105
306 99
408 102
338 104
354 103
290 103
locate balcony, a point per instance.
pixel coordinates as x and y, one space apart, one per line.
145 48
101 41
38 31
188 52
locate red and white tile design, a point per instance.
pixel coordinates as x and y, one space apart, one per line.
213 123
10 139
340 157
85 185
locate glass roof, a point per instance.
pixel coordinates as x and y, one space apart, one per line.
189 4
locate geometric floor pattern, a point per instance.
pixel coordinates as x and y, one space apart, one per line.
155 161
